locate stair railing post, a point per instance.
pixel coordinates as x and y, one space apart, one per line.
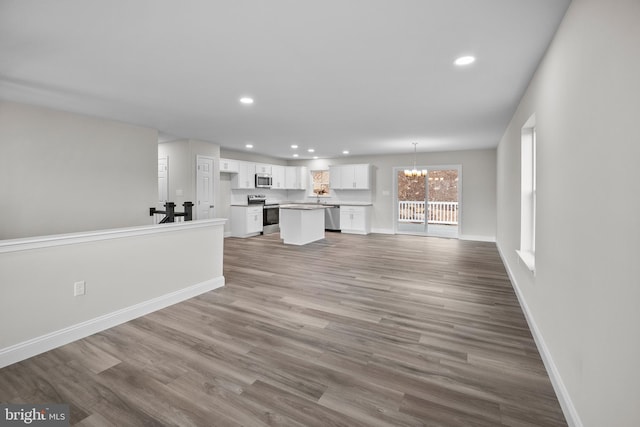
188 211
170 209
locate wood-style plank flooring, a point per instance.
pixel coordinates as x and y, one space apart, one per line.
375 330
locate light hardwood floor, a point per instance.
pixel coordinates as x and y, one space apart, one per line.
374 330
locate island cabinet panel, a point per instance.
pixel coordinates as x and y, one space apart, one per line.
278 177
301 225
355 219
229 166
350 177
246 176
246 221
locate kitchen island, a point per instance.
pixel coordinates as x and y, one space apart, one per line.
301 223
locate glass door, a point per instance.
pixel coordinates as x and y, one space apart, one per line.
411 196
428 204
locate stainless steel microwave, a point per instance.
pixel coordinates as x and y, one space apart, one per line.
263 180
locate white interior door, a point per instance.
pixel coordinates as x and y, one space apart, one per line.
163 181
204 187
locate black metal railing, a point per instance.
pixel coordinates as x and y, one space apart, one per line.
170 213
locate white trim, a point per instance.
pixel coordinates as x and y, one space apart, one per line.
383 230
477 238
14 245
568 408
35 346
529 260
214 173
394 195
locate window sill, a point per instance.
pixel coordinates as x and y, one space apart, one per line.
529 260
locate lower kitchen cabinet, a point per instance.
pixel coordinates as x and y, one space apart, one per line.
246 221
355 219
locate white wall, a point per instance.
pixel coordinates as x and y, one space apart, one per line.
584 300
179 167
478 187
122 268
249 156
62 172
182 156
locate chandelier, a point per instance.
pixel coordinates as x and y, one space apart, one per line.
415 172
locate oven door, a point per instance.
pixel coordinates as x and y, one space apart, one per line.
271 219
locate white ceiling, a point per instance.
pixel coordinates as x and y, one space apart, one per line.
370 76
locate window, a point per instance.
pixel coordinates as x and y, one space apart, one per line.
320 182
528 194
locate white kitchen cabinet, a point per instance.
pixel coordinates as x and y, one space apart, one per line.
335 177
246 176
263 168
295 177
246 221
278 177
361 177
350 177
228 166
355 219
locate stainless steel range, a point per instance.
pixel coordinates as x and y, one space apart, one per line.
270 213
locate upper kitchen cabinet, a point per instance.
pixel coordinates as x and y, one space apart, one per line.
263 168
278 178
229 166
246 176
295 177
350 177
335 177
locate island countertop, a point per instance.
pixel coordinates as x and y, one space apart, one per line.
327 203
303 207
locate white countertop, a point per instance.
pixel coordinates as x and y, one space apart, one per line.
304 206
291 205
328 203
352 204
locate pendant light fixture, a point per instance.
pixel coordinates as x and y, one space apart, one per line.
415 172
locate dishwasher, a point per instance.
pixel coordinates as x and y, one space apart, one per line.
332 218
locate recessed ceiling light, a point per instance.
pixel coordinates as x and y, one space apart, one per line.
465 60
311 150
294 146
315 157
295 155
345 152
249 146
246 100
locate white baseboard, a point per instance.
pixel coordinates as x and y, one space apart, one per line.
35 346
383 230
568 408
491 239
227 234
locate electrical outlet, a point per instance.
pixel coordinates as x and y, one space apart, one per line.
78 289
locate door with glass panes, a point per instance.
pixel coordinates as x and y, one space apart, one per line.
428 204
